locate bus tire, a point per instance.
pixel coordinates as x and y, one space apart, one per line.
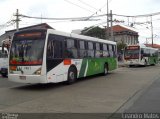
72 75
105 69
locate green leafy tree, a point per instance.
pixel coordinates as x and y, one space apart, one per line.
94 32
121 46
120 50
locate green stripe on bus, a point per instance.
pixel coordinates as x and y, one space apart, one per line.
83 68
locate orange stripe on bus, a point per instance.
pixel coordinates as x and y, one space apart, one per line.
67 62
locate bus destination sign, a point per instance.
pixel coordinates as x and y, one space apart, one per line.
34 34
132 47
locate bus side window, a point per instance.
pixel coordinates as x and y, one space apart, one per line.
58 49
105 50
54 47
82 49
146 53
90 49
114 50
71 48
98 52
142 51
110 50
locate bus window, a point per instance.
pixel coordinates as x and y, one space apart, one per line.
146 53
22 51
114 50
82 49
90 49
110 50
71 50
54 48
98 52
105 50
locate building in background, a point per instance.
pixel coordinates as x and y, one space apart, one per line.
124 35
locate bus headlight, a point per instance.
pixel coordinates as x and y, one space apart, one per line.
38 71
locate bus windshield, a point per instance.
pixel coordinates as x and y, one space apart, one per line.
131 53
27 51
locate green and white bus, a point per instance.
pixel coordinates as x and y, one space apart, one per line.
140 55
50 56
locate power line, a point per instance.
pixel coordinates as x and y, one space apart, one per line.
72 18
87 17
96 12
135 16
87 4
7 24
78 6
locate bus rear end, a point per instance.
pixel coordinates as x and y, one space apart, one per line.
132 55
26 57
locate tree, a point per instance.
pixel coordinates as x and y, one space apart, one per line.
121 46
94 32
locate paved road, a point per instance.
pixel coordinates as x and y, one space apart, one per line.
100 94
149 101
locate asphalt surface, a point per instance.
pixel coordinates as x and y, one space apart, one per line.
149 101
124 90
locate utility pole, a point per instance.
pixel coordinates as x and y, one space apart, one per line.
107 36
146 40
17 19
152 31
128 20
111 20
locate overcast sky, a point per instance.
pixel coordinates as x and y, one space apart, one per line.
81 8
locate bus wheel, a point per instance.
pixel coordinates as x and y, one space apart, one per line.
72 75
105 69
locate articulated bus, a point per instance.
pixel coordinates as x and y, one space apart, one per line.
140 55
50 56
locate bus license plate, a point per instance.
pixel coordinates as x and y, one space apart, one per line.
22 77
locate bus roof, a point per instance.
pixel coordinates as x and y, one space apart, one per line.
80 36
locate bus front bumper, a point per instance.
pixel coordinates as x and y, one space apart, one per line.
31 79
133 62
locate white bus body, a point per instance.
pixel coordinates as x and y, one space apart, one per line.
140 55
27 70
